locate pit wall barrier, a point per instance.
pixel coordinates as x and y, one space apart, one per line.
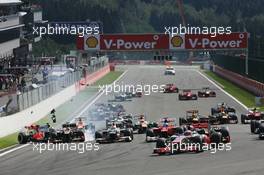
92 78
13 123
248 84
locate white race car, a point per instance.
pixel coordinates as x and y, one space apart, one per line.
169 71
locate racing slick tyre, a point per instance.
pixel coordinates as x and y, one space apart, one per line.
66 138
243 119
150 133
182 121
261 131
195 97
225 134
255 126
180 97
22 138
98 135
128 133
161 143
234 118
213 111
198 141
216 138
179 130
252 126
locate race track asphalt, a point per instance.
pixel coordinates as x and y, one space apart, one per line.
135 158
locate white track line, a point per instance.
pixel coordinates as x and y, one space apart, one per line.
12 150
244 106
92 102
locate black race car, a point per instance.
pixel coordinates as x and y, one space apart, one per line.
223 118
222 107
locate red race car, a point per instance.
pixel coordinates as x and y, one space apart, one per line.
166 128
252 114
187 95
170 88
192 141
206 92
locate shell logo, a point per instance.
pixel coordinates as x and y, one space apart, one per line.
176 41
91 42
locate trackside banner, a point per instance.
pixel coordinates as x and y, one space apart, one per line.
144 42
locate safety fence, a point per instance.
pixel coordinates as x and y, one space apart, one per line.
237 64
43 92
251 85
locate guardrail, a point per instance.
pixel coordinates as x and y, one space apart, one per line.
15 122
250 85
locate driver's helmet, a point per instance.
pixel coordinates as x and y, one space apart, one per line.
190 128
113 125
188 133
165 124
173 137
141 117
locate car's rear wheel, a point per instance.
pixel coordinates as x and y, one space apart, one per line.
252 126
22 138
243 119
216 138
161 143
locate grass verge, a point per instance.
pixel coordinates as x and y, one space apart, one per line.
242 95
68 108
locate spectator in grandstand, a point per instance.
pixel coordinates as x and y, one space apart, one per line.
6 83
23 84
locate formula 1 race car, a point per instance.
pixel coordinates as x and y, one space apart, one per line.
166 128
223 118
195 119
252 114
122 97
169 71
170 88
191 141
219 134
134 94
206 92
188 142
187 95
71 132
222 107
37 133
256 126
82 123
114 133
140 124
